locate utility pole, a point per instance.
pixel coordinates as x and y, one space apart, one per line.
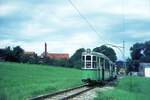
122 50
124 64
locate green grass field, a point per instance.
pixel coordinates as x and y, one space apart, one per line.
21 81
129 88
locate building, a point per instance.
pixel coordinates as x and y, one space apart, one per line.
58 56
122 71
64 56
30 54
144 69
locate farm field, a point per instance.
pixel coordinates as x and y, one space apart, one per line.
128 88
21 81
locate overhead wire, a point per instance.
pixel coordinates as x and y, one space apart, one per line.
86 20
91 26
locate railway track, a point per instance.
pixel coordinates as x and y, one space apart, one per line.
65 94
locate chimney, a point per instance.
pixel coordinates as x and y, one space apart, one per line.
45 49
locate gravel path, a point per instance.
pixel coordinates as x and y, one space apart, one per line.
90 95
63 95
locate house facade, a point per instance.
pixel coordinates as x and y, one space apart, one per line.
144 69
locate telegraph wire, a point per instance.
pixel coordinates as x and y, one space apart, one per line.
92 27
86 20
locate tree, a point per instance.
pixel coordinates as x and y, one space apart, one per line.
17 53
2 53
140 52
146 52
129 65
136 49
107 51
13 55
8 54
120 64
132 65
29 58
75 60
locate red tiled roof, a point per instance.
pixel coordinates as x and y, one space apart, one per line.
58 56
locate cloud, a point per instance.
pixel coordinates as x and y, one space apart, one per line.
71 44
130 8
130 30
35 30
7 9
30 23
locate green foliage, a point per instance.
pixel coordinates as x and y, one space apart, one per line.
136 51
13 55
129 88
17 53
75 60
129 65
132 65
140 52
31 59
7 54
55 62
107 51
21 81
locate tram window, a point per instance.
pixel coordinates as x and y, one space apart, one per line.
102 61
94 58
88 64
94 64
106 64
88 57
83 57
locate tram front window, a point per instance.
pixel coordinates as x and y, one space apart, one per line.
88 64
88 61
88 57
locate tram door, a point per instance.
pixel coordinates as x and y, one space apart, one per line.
103 68
99 69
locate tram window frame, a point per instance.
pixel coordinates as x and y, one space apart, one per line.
88 58
102 62
94 65
94 59
98 62
89 64
111 66
83 58
106 64
94 62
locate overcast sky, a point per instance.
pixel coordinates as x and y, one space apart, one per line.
30 23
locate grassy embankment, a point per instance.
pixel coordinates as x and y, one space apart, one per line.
129 88
20 81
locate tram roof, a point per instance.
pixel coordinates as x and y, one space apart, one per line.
96 54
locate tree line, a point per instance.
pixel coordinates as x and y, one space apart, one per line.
140 53
17 54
